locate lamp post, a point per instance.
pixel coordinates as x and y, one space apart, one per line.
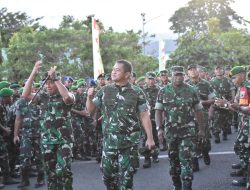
144 22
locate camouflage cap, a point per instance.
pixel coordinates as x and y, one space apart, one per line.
81 83
163 72
202 68
6 92
108 76
101 76
177 70
218 66
192 66
150 75
236 70
4 84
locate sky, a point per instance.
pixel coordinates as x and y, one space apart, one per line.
121 15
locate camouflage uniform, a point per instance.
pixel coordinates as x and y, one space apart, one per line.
77 124
205 92
57 142
121 133
30 138
4 157
222 118
151 95
179 105
241 145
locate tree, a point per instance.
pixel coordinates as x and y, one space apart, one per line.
209 49
195 16
13 22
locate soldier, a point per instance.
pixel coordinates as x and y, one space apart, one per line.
108 79
207 97
181 104
163 78
78 114
241 105
223 89
162 83
5 173
28 120
101 80
16 95
132 78
151 91
68 82
121 106
56 129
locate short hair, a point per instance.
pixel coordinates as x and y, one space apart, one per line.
126 65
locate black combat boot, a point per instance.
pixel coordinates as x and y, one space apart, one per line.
40 180
25 178
147 163
240 183
187 185
206 158
238 173
216 138
177 183
1 183
236 166
195 162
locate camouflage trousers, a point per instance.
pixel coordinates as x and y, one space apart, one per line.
205 145
118 167
222 121
58 159
180 156
241 145
155 153
78 136
4 159
30 149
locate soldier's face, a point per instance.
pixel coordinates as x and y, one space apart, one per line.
150 82
51 87
81 89
178 79
163 78
237 79
219 71
132 80
193 73
68 83
118 74
101 81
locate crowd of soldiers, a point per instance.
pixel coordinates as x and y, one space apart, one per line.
186 110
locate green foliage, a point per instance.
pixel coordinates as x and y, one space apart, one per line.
195 16
211 49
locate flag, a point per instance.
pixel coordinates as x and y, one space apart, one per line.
97 60
161 55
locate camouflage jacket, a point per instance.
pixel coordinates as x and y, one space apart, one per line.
56 126
204 89
151 95
3 117
31 115
120 107
179 105
222 87
80 104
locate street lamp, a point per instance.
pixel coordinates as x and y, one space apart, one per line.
143 29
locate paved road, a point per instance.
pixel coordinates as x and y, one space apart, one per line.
214 177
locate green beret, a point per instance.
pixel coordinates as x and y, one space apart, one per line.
236 70
14 85
37 85
142 78
73 88
6 92
81 83
4 84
